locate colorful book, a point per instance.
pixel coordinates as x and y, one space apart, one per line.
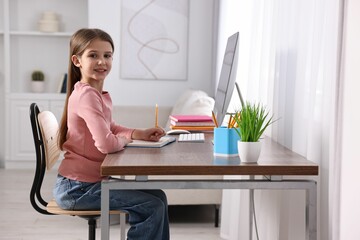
185 124
62 83
190 118
194 128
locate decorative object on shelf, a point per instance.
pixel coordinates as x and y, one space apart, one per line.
49 22
252 120
38 81
62 84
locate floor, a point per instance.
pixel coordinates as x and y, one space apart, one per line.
19 221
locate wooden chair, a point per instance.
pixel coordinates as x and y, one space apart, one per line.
45 129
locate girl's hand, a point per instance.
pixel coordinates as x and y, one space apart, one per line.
153 134
150 134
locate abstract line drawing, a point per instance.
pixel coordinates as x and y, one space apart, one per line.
154 39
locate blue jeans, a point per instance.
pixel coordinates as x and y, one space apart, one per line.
148 209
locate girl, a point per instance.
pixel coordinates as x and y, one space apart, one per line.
87 133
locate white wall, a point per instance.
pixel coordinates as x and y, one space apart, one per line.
2 122
164 92
350 155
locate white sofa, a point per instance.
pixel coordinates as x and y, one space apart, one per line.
191 102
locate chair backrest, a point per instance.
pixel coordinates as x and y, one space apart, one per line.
45 129
49 129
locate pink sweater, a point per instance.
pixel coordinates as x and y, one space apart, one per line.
92 134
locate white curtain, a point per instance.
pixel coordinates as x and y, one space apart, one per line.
288 60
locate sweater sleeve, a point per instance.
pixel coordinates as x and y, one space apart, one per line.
121 130
97 116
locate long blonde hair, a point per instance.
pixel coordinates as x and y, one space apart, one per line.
79 41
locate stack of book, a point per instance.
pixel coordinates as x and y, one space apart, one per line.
192 122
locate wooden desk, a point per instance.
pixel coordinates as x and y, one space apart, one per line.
177 158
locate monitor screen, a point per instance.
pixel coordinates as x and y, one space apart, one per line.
227 78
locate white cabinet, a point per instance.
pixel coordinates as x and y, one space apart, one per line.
23 49
20 139
30 49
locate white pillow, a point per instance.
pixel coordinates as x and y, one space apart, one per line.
195 102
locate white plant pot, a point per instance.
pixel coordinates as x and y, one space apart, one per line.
38 86
249 152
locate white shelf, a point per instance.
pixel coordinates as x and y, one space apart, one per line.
23 49
26 49
25 15
40 34
44 96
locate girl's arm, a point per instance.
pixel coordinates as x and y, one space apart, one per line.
90 109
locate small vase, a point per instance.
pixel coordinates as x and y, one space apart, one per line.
249 152
37 86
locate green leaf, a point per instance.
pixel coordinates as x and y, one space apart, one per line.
252 120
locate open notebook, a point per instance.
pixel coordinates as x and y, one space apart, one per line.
162 142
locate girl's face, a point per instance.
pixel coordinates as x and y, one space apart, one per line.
96 61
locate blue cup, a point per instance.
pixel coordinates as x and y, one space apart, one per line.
225 142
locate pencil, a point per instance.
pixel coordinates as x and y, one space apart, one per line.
156 115
214 119
230 123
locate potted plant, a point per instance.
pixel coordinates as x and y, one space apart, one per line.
37 83
252 120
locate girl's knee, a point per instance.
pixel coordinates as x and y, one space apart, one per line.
163 197
160 205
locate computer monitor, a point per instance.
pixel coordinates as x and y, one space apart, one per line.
227 79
